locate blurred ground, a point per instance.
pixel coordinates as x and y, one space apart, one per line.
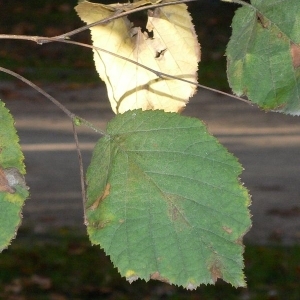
267 144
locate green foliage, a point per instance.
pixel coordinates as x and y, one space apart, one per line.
13 190
164 198
165 202
262 54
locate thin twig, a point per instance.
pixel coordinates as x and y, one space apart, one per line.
241 2
158 73
116 16
62 38
81 171
53 100
43 40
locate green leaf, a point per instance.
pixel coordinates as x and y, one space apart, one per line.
263 54
165 202
13 190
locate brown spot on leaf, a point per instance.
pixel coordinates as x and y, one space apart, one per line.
227 229
215 270
176 212
157 276
295 52
4 184
261 20
239 241
101 198
99 225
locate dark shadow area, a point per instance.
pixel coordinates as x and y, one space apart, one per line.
63 265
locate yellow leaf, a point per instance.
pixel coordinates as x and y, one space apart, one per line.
169 45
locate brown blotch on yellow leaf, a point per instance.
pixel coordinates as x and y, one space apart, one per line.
4 184
295 52
101 198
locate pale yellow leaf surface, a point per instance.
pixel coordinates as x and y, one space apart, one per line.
173 49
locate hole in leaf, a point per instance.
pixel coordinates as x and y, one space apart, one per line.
160 54
139 19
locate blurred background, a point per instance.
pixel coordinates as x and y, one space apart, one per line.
51 257
57 61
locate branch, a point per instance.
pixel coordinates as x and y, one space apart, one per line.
81 171
74 123
62 38
116 16
72 116
158 73
241 2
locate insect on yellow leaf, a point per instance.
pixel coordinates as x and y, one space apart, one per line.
169 45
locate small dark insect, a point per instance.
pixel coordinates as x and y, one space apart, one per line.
160 53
